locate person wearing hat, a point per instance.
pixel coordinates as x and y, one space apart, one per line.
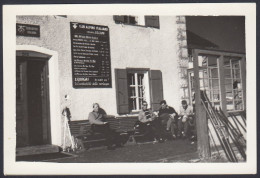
185 115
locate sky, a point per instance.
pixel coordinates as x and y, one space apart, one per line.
228 32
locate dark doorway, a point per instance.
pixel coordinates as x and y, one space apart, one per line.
32 101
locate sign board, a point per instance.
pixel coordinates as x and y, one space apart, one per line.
27 30
90 50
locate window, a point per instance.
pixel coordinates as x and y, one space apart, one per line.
147 21
224 89
233 84
133 86
209 78
138 88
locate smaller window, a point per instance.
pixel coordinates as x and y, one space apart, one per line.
147 21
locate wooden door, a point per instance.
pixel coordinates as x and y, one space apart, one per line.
45 103
33 125
22 138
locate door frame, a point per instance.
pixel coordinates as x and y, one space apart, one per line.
54 89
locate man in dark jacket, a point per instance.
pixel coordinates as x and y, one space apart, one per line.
168 116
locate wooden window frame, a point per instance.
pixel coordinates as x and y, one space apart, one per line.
136 71
220 64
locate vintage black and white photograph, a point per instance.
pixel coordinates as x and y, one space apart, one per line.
131 87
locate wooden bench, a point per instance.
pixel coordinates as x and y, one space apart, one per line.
126 125
83 135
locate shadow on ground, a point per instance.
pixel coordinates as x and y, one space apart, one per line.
169 151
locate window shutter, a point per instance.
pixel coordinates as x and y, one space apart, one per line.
152 21
156 89
119 18
122 91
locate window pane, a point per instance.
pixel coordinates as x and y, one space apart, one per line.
140 91
152 21
228 84
140 79
237 94
202 61
216 105
235 65
215 84
237 84
203 74
215 94
202 86
236 73
132 20
132 91
238 105
212 61
192 80
131 79
227 73
208 92
132 103
140 102
230 105
229 95
227 61
214 73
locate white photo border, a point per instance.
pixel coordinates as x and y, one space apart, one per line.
11 167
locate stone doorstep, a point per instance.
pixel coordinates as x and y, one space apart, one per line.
70 154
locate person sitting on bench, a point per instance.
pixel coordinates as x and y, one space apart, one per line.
185 115
98 124
150 123
168 117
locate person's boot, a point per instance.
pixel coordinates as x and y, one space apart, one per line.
183 135
161 140
174 136
155 140
119 144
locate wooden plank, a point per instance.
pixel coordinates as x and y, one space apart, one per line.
218 53
243 78
222 86
202 125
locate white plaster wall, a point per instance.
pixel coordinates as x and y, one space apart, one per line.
130 46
